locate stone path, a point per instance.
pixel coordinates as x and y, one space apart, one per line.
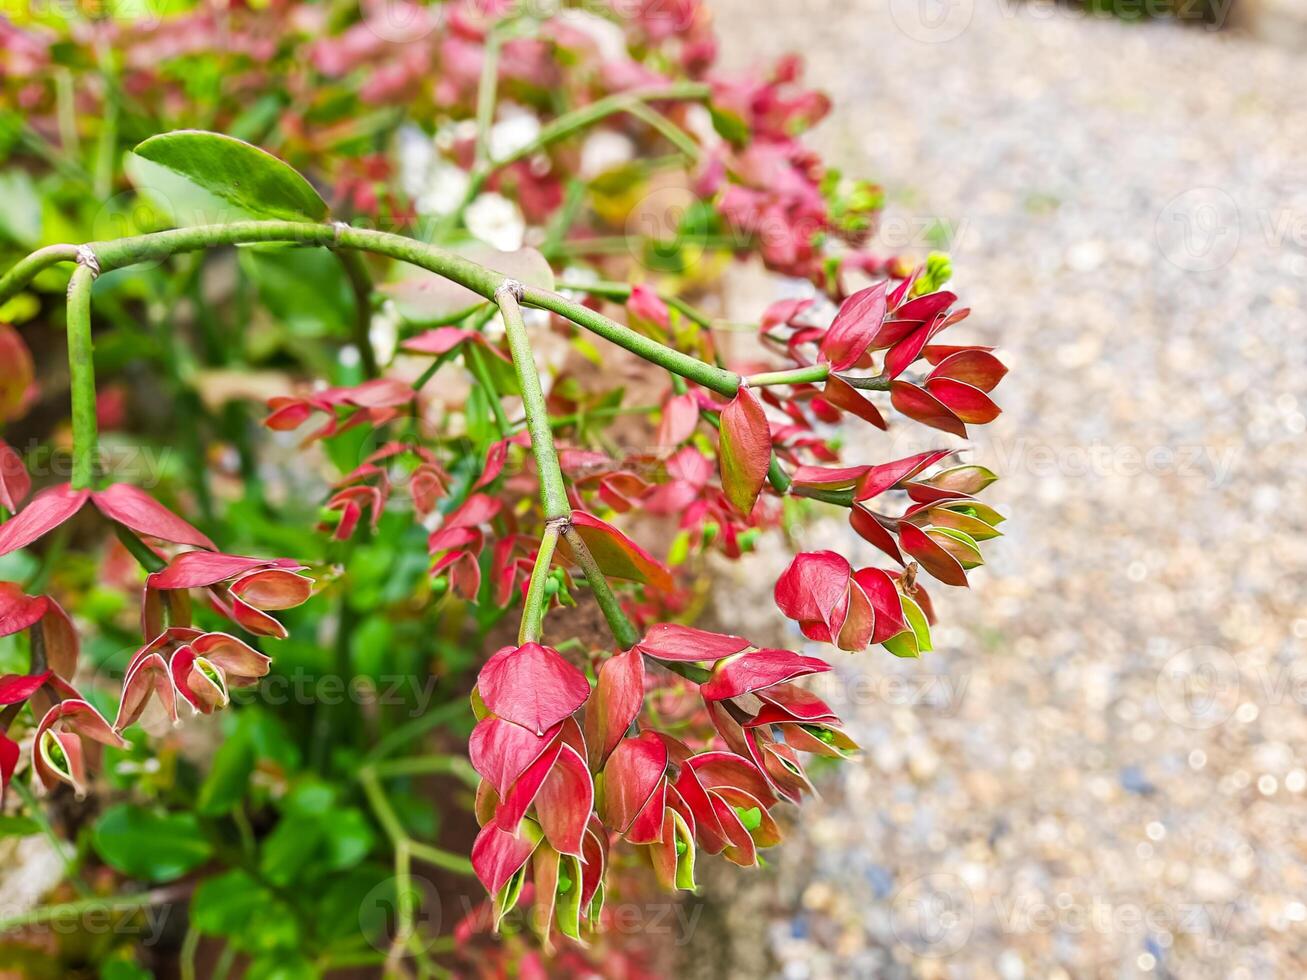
1102 770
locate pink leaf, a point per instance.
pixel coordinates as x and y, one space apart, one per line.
48 510
19 611
828 477
814 588
198 569
634 772
854 326
880 589
920 405
617 699
846 398
975 367
532 686
932 556
745 450
617 554
881 478
671 641
565 801
273 589
16 688
501 751
866 524
497 855
679 420
15 484
968 403
135 509
756 671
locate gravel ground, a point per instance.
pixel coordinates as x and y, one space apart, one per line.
1100 772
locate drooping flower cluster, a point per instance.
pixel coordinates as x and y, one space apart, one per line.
176 662
556 791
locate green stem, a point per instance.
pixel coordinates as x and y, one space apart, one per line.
440 857
844 498
622 291
797 376
714 378
553 493
481 371
878 383
81 377
674 134
486 92
360 281
533 611
139 549
28 267
72 910
623 630
428 765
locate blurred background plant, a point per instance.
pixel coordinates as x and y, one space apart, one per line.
594 146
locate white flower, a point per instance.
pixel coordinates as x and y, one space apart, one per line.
497 221
517 130
603 150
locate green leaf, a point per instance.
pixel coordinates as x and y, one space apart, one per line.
349 838
917 620
148 844
20 209
959 544
124 970
204 178
12 826
228 779
290 847
729 126
282 966
237 906
305 289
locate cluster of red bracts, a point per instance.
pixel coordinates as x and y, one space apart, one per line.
177 662
952 395
943 524
558 791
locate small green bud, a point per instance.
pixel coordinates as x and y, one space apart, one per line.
565 883
551 586
751 818
680 847
748 539
440 585
821 734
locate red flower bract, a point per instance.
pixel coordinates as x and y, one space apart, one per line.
128 505
532 686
